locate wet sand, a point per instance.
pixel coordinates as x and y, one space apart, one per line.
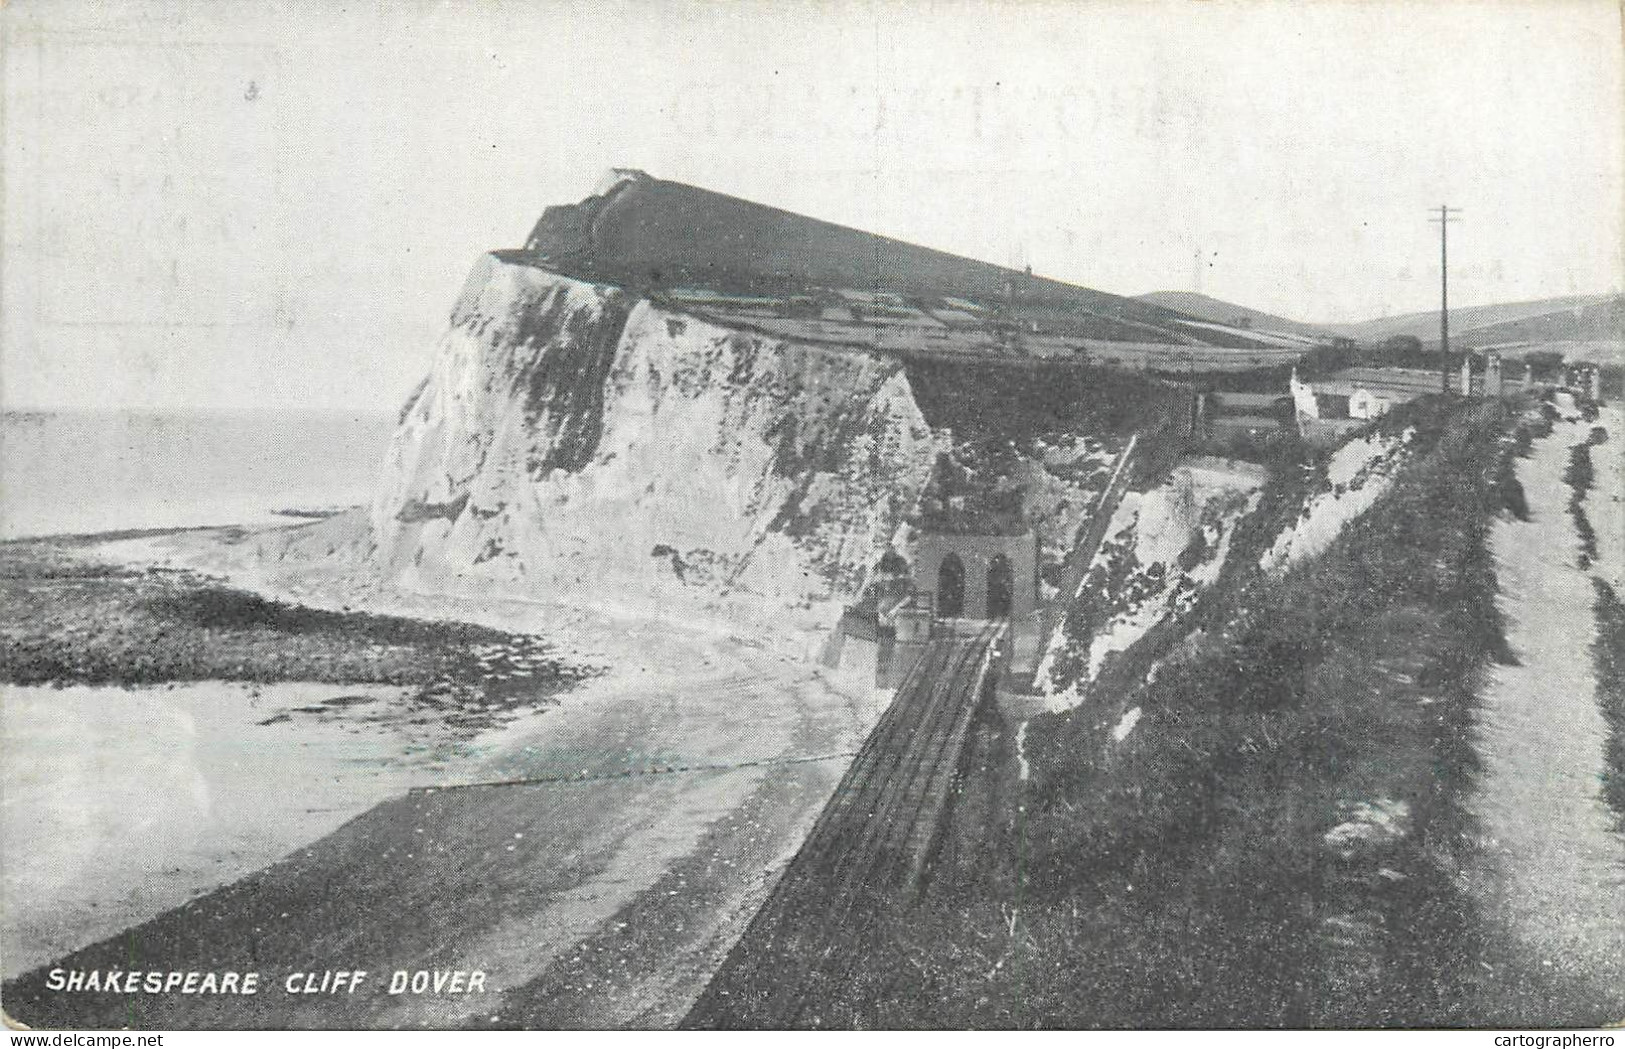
661 800
603 901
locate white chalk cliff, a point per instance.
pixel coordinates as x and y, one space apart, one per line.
575 440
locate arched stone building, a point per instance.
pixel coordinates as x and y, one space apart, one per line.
978 576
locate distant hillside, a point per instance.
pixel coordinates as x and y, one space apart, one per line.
1584 322
1595 321
1572 317
1207 308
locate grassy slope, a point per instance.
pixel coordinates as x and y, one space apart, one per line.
1602 321
1574 317
1608 652
1608 649
654 231
1183 878
1465 320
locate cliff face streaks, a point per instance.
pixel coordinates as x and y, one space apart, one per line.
1163 548
571 436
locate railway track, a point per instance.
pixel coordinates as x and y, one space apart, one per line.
867 850
1083 553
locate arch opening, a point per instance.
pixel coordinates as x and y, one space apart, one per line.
1001 590
951 587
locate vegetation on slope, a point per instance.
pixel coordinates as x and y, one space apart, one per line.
1024 403
651 232
1579 477
1608 652
1297 472
1608 649
1033 447
1276 841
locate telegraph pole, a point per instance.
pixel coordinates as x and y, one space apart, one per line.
1446 216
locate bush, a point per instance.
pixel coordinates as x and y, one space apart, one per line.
1509 490
1579 476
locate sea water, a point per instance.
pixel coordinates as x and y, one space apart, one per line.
76 472
134 800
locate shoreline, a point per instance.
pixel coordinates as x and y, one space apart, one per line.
735 715
73 614
288 718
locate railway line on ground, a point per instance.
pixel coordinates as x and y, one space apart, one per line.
868 848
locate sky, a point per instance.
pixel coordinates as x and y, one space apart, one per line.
228 206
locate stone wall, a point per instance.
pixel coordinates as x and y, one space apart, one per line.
977 554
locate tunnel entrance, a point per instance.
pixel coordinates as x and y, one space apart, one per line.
1000 587
951 587
977 576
